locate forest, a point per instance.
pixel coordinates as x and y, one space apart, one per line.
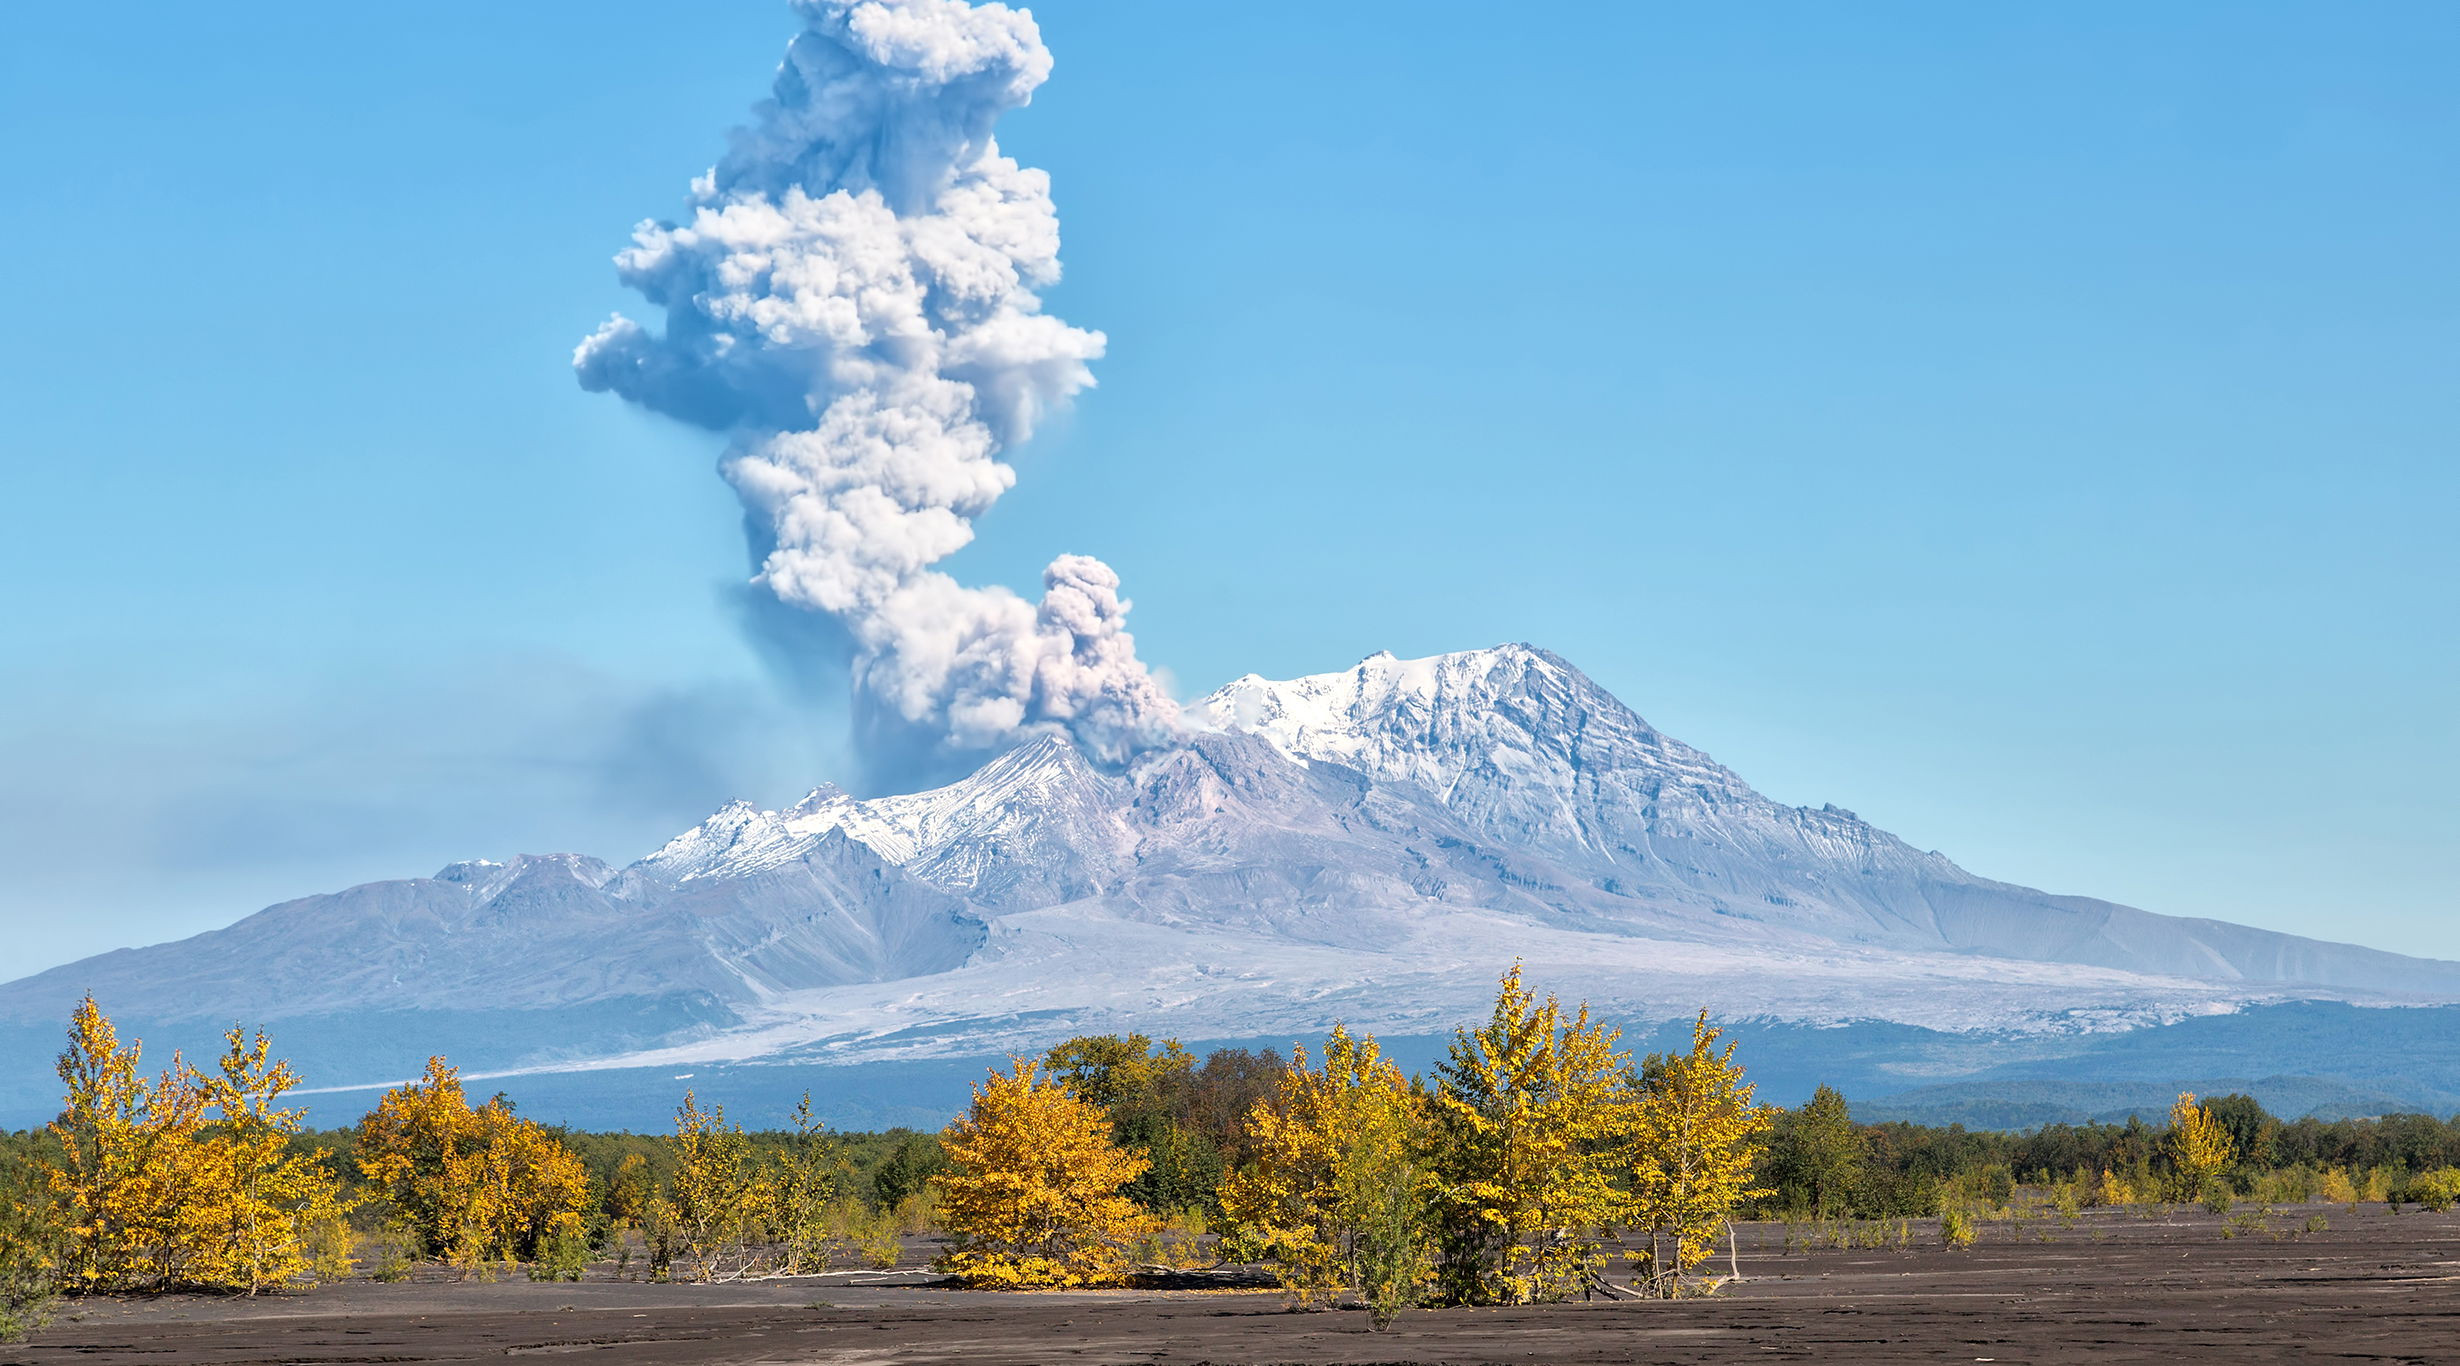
1538 1162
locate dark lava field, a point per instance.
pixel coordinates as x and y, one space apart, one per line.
2108 1286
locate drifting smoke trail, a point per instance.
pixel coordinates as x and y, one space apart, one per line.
853 301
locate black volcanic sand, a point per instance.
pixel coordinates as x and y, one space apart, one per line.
2112 1286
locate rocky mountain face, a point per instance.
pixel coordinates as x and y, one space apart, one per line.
1372 845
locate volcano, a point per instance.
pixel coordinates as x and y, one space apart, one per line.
1372 846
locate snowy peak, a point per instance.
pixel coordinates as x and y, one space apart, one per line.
1511 738
486 879
1312 716
736 837
1448 711
1042 796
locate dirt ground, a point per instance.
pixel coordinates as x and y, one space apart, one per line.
2111 1286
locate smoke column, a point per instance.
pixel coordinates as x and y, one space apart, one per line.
852 301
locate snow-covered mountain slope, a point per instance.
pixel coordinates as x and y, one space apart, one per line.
538 933
1529 753
1373 845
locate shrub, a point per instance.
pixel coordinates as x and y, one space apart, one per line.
1175 1244
919 1213
658 1235
2287 1185
879 1247
331 1247
1955 1227
562 1254
869 1237
396 1252
2435 1190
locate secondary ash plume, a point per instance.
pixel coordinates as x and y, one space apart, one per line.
852 300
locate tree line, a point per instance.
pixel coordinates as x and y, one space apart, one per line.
1538 1161
1819 1163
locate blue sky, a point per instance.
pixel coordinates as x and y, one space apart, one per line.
2030 427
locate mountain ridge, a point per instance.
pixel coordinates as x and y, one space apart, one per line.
1370 845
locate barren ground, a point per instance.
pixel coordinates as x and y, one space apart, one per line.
2111 1286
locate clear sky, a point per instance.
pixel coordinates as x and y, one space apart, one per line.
2030 426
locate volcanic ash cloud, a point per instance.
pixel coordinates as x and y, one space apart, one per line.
852 300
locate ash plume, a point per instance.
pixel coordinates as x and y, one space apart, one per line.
852 301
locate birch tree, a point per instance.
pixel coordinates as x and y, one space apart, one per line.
1690 1143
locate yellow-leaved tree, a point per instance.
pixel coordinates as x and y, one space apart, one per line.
1690 1142
125 1162
1107 1069
811 1174
186 1179
469 1186
1522 1126
251 1201
2199 1147
1337 1193
717 1195
1031 1196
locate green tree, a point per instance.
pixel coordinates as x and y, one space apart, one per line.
1110 1071
908 1170
1150 1092
1383 1190
2252 1130
1814 1157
